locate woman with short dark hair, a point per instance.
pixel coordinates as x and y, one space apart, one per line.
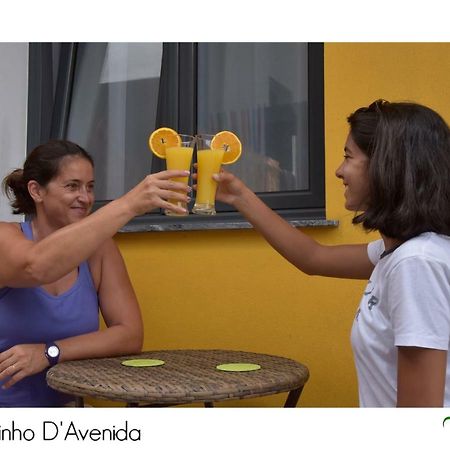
396 174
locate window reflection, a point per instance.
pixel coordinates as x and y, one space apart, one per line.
260 92
113 109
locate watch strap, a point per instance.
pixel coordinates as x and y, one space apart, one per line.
50 347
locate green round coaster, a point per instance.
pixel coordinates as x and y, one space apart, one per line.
142 362
238 367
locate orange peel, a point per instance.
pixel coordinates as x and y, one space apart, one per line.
161 139
229 142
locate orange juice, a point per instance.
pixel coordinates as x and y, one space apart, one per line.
178 158
209 162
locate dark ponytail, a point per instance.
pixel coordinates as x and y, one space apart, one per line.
17 192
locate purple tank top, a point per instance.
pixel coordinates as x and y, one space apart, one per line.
32 315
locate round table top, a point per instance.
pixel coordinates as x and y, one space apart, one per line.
187 376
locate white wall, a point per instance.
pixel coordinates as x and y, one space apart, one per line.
13 113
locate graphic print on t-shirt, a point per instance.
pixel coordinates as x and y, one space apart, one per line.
372 299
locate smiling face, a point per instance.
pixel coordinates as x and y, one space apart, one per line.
354 174
69 196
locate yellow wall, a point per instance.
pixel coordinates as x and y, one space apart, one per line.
232 291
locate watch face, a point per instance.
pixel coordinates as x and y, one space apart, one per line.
53 351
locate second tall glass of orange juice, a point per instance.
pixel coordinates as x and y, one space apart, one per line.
208 163
180 158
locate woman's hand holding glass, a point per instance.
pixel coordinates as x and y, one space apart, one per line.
155 191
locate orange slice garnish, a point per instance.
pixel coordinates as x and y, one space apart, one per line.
161 139
230 143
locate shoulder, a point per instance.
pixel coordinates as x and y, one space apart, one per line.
428 246
106 262
375 250
10 230
9 226
106 251
422 260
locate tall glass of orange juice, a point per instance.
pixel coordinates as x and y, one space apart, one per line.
208 163
179 157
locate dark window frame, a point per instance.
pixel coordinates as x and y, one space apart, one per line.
49 106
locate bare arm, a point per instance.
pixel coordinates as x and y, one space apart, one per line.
421 376
26 263
342 261
120 310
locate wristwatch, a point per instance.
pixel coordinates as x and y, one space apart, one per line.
52 353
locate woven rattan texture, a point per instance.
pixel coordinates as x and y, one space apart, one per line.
187 376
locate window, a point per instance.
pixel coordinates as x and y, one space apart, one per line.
108 107
108 97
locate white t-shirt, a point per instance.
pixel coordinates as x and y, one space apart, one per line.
406 303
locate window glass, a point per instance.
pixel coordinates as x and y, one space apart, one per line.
113 110
109 97
260 92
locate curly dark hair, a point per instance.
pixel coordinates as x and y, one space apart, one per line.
41 165
408 146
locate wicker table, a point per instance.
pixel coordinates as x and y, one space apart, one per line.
188 376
